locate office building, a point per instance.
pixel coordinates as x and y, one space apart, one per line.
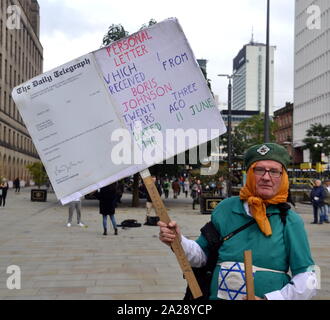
311 69
249 66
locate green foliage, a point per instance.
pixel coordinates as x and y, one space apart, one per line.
252 130
150 23
248 133
38 173
115 32
317 141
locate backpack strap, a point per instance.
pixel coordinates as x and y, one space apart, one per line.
214 239
214 242
228 236
284 207
211 234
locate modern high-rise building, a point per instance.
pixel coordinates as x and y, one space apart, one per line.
249 86
311 68
21 58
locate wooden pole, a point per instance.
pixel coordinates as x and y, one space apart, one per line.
176 245
249 275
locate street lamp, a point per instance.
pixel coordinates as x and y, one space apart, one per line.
229 142
319 147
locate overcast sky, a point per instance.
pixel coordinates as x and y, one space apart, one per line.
216 31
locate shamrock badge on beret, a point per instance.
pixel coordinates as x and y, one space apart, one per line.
263 150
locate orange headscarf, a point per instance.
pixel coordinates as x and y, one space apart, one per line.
258 205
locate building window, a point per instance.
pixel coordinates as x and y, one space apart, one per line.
5 102
6 73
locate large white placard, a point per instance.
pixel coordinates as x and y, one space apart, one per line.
118 110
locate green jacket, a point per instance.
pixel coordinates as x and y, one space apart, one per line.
287 247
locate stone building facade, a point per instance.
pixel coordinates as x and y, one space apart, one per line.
21 58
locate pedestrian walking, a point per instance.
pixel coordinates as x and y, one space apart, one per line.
17 185
75 206
220 186
3 192
261 220
176 188
166 188
186 186
196 192
224 189
317 196
327 199
107 197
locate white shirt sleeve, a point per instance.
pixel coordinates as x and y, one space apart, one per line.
301 287
195 254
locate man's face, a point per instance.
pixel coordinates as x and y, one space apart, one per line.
317 183
268 185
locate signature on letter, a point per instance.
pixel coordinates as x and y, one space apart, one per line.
66 168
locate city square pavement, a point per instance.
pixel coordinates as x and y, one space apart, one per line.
57 262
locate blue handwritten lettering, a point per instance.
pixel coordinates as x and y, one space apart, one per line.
177 105
189 89
125 83
202 106
176 61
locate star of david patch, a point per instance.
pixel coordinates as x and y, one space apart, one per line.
231 281
263 150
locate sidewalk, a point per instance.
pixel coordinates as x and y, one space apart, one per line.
57 262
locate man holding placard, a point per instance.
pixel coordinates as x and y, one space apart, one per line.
273 232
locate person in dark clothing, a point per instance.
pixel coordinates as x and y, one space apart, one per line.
166 188
108 199
3 192
317 196
196 192
17 185
176 188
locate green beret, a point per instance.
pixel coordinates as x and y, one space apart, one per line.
266 151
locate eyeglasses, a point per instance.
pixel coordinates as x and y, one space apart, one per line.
274 173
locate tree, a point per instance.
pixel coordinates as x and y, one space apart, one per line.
251 131
248 133
38 173
317 141
150 23
115 32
